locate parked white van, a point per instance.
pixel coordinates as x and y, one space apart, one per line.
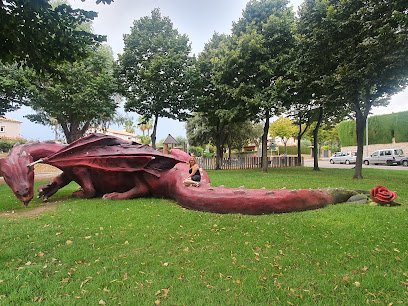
386 156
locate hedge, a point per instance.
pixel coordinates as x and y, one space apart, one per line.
293 150
381 129
6 145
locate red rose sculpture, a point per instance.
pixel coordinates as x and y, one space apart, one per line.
382 195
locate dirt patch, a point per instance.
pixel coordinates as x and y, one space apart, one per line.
29 212
40 177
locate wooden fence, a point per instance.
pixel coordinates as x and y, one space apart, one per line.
248 162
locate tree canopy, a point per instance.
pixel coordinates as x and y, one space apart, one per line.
35 34
284 128
156 70
257 69
83 97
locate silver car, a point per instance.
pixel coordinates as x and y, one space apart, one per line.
343 158
386 156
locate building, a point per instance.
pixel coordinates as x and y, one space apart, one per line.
10 128
168 143
120 134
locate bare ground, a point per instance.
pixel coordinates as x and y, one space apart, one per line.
28 212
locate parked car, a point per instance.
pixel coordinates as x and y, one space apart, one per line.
386 156
343 158
404 161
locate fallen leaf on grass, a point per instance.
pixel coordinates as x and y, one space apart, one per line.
404 283
68 242
346 279
101 302
85 281
397 258
106 290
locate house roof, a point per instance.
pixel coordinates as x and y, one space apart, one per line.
9 119
170 140
121 133
111 131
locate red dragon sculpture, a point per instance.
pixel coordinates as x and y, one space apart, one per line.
116 169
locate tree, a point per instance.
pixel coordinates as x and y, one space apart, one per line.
236 135
315 62
240 134
37 35
284 128
217 108
84 97
129 127
371 43
145 124
145 139
156 69
259 64
14 87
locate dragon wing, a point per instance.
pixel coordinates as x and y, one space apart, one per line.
110 153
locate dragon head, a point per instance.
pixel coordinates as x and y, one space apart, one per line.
18 175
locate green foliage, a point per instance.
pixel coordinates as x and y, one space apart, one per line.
139 251
208 154
305 143
129 126
6 145
283 127
181 140
156 70
198 151
145 139
382 129
84 97
14 87
293 150
37 35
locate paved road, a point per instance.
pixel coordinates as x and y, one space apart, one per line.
324 163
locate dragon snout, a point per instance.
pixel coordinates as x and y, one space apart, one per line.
25 195
23 192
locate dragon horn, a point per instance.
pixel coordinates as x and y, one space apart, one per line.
36 162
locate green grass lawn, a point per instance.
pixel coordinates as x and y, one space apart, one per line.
148 251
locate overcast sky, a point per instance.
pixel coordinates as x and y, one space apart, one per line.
199 19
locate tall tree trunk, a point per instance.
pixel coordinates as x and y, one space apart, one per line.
219 149
315 141
299 149
299 138
361 120
72 131
265 143
156 119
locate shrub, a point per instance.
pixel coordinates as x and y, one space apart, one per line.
7 144
208 155
293 150
197 151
